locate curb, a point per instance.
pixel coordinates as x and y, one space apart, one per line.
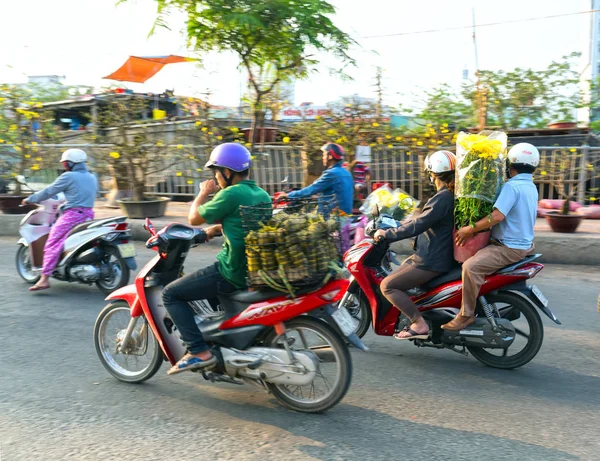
574 249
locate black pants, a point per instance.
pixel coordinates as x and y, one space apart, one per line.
404 278
206 284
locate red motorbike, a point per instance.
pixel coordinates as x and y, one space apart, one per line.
508 331
262 338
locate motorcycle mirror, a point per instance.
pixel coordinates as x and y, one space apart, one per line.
21 179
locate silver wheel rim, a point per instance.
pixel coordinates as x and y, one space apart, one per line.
24 265
110 332
522 333
113 280
327 357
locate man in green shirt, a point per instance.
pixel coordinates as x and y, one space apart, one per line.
230 163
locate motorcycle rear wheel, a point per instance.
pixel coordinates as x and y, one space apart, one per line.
119 272
144 340
509 304
23 263
297 333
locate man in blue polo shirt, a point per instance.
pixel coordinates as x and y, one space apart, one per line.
512 223
335 180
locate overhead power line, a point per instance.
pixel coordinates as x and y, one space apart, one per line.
513 21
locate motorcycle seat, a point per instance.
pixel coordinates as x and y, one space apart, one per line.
80 227
251 297
453 275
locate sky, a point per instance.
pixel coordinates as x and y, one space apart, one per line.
86 40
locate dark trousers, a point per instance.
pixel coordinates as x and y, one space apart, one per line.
404 278
206 284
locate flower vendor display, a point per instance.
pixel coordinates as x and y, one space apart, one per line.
396 203
480 160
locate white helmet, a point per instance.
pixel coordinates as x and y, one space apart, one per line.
524 154
440 162
74 156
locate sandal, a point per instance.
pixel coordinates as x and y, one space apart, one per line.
412 334
191 362
39 288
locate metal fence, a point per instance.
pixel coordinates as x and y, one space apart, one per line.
181 168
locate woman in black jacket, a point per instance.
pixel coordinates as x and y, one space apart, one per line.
433 245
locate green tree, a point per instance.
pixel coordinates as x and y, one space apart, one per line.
274 39
528 98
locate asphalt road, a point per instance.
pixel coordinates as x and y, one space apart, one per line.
57 402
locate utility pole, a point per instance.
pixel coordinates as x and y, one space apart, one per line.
379 91
481 97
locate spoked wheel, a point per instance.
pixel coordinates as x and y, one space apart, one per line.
23 261
115 273
359 308
142 356
334 371
528 328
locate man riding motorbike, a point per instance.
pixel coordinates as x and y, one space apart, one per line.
335 180
230 164
434 250
80 188
512 222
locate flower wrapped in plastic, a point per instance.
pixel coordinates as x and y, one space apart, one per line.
480 161
393 202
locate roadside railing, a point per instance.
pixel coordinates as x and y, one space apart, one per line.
399 166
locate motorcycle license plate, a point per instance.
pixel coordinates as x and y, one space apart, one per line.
345 321
127 250
539 295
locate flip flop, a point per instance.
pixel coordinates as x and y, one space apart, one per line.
412 335
191 363
37 288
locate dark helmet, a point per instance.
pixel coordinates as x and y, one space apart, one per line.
335 150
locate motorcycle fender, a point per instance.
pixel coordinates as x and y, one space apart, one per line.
130 296
23 242
525 292
353 338
131 263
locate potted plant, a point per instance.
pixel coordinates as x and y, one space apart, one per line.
22 129
562 171
135 154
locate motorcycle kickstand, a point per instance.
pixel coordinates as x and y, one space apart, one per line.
461 352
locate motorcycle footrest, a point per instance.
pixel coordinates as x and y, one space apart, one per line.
250 365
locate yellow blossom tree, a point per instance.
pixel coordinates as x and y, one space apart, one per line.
22 129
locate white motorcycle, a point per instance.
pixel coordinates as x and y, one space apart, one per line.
96 251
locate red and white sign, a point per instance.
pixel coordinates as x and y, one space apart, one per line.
303 112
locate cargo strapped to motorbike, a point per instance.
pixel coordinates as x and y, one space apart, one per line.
296 246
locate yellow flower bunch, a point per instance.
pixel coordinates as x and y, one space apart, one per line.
482 146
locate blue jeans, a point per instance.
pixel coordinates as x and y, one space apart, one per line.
206 284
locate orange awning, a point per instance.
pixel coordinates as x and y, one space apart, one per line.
138 69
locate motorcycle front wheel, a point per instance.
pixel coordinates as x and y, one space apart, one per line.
529 333
142 356
359 308
334 370
23 262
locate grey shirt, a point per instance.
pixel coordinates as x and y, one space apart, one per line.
433 228
79 186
